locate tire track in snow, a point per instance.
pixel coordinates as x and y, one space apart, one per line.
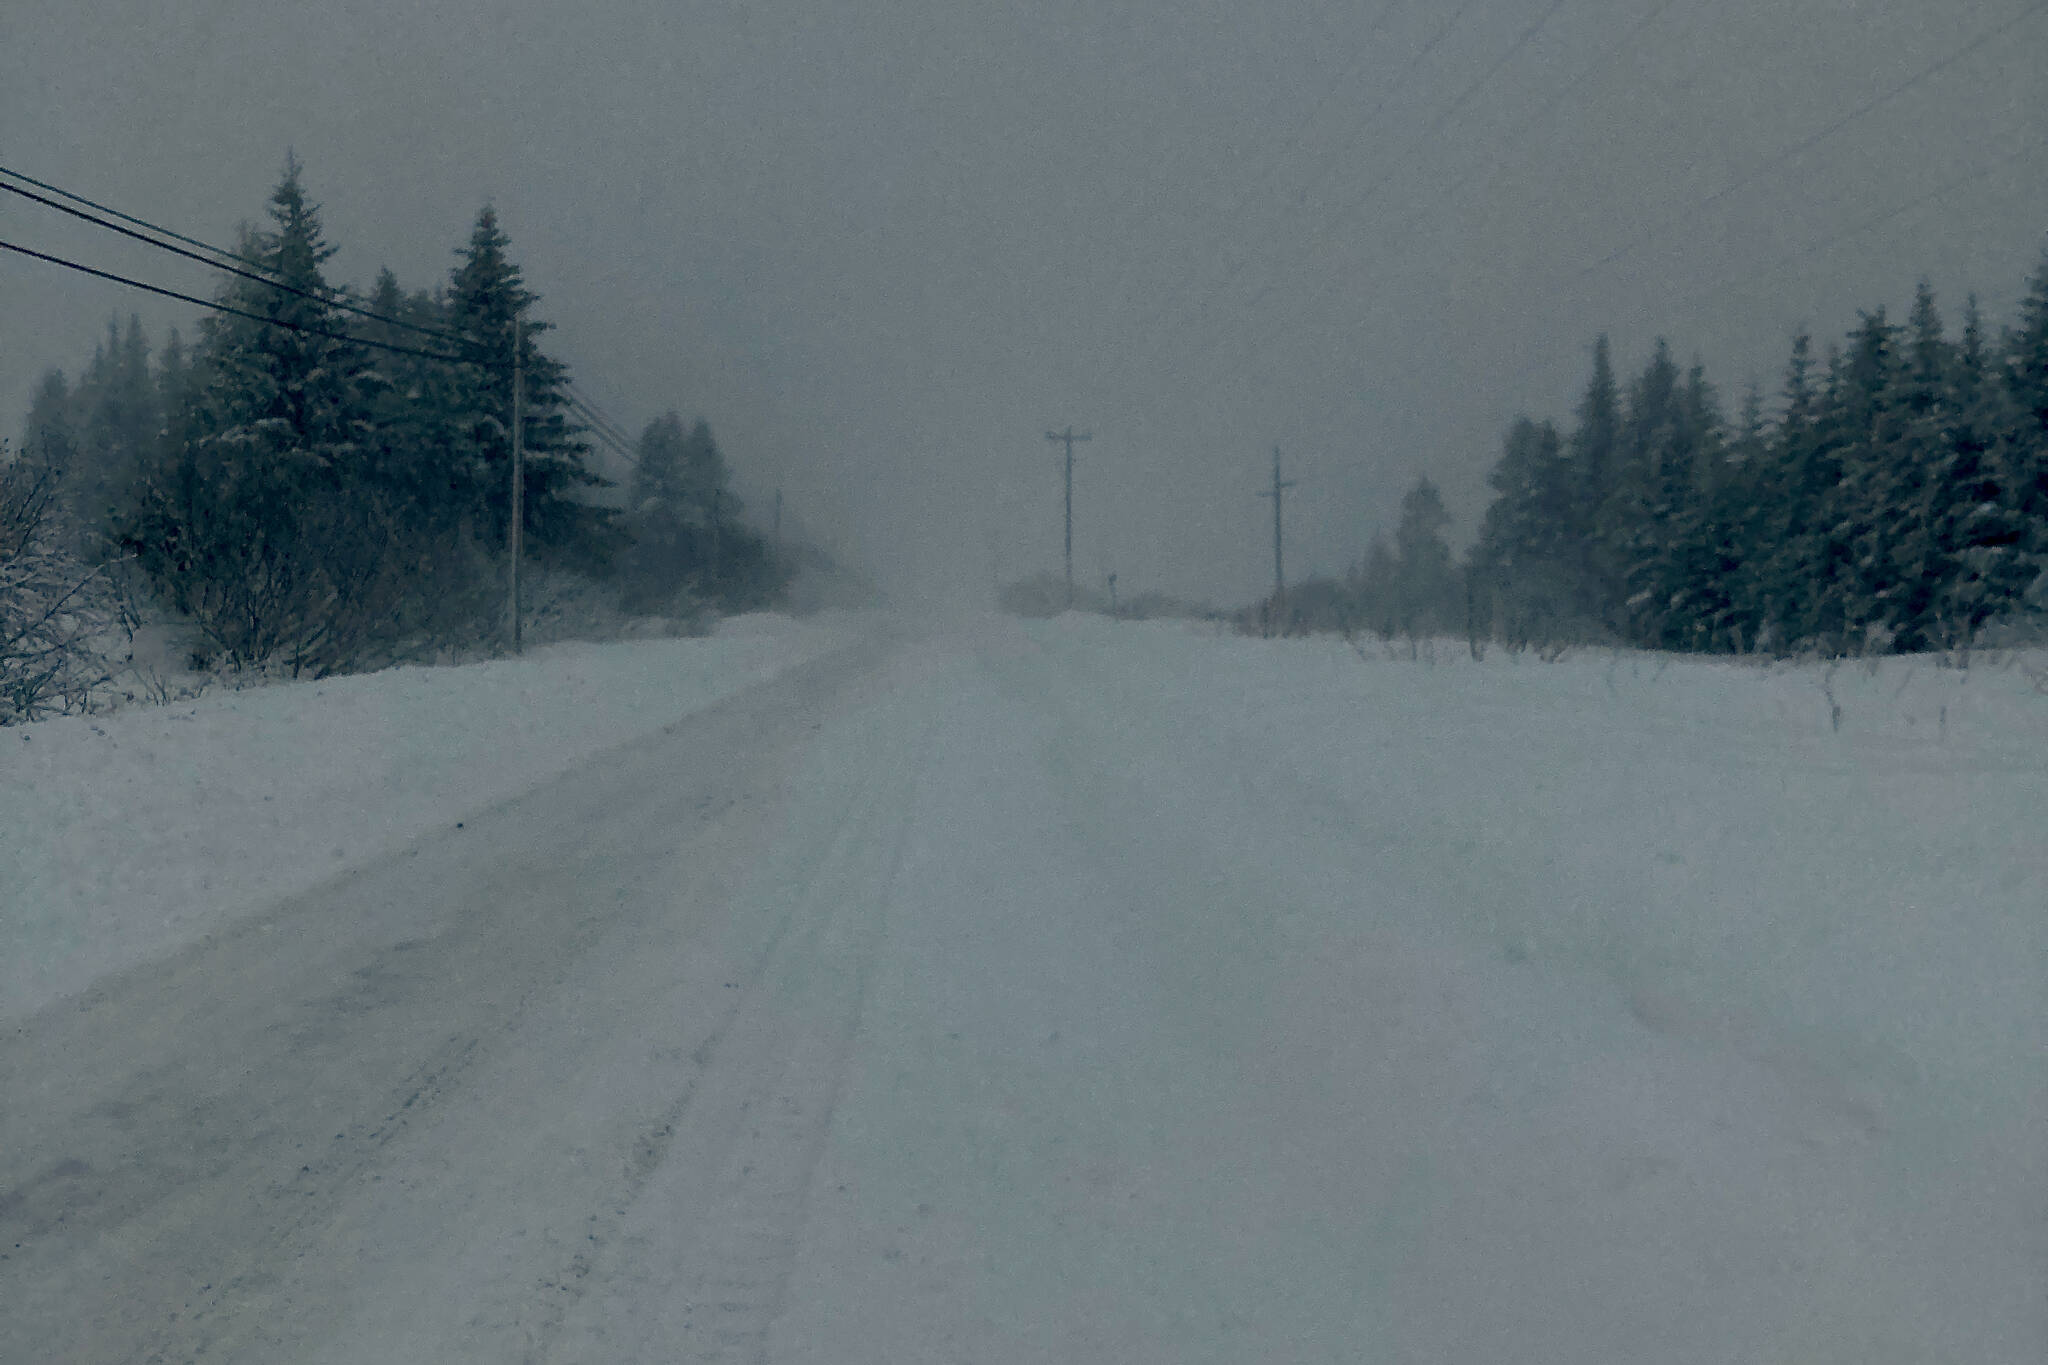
695 1263
195 1153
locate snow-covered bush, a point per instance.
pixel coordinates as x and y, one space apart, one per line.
52 606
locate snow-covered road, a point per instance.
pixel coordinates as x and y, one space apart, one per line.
977 995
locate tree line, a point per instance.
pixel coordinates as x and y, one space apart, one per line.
1893 497
317 491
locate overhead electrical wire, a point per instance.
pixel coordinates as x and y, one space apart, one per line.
1788 154
1292 139
125 217
607 431
1688 307
1436 127
340 305
1176 296
600 422
1542 112
1814 139
1451 110
253 317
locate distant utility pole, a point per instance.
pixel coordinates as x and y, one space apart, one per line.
518 475
1068 438
1279 570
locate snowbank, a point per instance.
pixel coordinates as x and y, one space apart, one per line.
123 837
1839 871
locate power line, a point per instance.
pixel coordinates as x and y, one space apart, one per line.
341 305
1544 110
1442 119
125 217
254 317
1329 163
613 434
1807 143
1687 307
600 427
598 417
1293 138
1450 111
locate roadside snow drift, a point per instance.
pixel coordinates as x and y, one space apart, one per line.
125 836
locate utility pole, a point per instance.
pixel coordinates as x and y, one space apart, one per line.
1279 570
1068 438
777 524
518 473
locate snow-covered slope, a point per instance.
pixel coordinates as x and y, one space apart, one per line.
1077 991
125 836
1276 1005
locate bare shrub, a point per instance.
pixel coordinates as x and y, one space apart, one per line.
52 606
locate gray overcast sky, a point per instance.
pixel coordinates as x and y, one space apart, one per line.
884 246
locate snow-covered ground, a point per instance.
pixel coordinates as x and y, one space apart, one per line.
1279 1005
1105 992
126 836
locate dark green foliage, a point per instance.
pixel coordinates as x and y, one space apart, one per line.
1899 501
1426 593
687 543
313 502
486 296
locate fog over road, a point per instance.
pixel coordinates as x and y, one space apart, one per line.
942 1000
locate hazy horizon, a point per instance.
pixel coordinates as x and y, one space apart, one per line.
882 254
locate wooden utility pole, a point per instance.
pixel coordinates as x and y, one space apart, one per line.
1068 438
1279 568
518 475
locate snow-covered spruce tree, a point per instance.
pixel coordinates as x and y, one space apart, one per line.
1735 509
1529 522
1976 513
1922 477
2024 460
1595 456
1524 577
50 436
1687 576
117 420
1789 486
486 296
1868 432
248 524
669 528
1629 525
1426 588
421 468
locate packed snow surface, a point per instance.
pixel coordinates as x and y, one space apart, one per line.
125 836
1143 994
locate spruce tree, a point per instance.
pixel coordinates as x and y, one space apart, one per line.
487 295
1978 520
1426 586
1631 525
241 523
50 436
2026 455
1594 454
669 541
1867 434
